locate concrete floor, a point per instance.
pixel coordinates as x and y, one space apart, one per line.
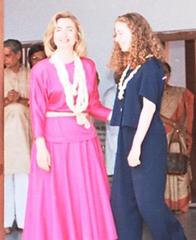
188 221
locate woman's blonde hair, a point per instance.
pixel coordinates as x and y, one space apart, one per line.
49 45
144 42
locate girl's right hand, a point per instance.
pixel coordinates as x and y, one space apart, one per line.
134 156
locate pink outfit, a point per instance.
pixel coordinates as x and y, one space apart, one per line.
71 202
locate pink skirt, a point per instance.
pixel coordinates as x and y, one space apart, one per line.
71 202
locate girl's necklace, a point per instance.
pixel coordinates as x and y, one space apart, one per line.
124 81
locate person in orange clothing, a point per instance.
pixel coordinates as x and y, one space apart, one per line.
177 107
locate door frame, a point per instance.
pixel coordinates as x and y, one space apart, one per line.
1 121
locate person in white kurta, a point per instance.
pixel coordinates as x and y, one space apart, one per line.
17 134
111 132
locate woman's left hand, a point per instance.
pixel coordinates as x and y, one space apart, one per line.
134 156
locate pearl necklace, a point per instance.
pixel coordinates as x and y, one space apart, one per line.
76 90
124 81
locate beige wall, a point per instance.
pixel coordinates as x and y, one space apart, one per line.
27 20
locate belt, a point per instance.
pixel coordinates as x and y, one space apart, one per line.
81 117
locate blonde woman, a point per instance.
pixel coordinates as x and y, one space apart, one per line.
69 193
140 169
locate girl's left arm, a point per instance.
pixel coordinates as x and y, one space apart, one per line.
145 119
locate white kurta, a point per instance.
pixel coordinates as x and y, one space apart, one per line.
111 133
16 124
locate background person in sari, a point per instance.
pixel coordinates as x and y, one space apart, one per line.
177 106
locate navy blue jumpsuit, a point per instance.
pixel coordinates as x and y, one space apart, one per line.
138 192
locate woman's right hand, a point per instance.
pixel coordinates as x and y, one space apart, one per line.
42 155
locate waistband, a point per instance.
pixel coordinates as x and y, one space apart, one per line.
81 117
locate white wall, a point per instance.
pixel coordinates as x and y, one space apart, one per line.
27 20
176 58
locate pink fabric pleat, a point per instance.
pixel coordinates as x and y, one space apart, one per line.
71 202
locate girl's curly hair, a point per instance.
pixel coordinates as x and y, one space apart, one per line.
144 42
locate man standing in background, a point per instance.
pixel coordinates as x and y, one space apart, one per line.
16 135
